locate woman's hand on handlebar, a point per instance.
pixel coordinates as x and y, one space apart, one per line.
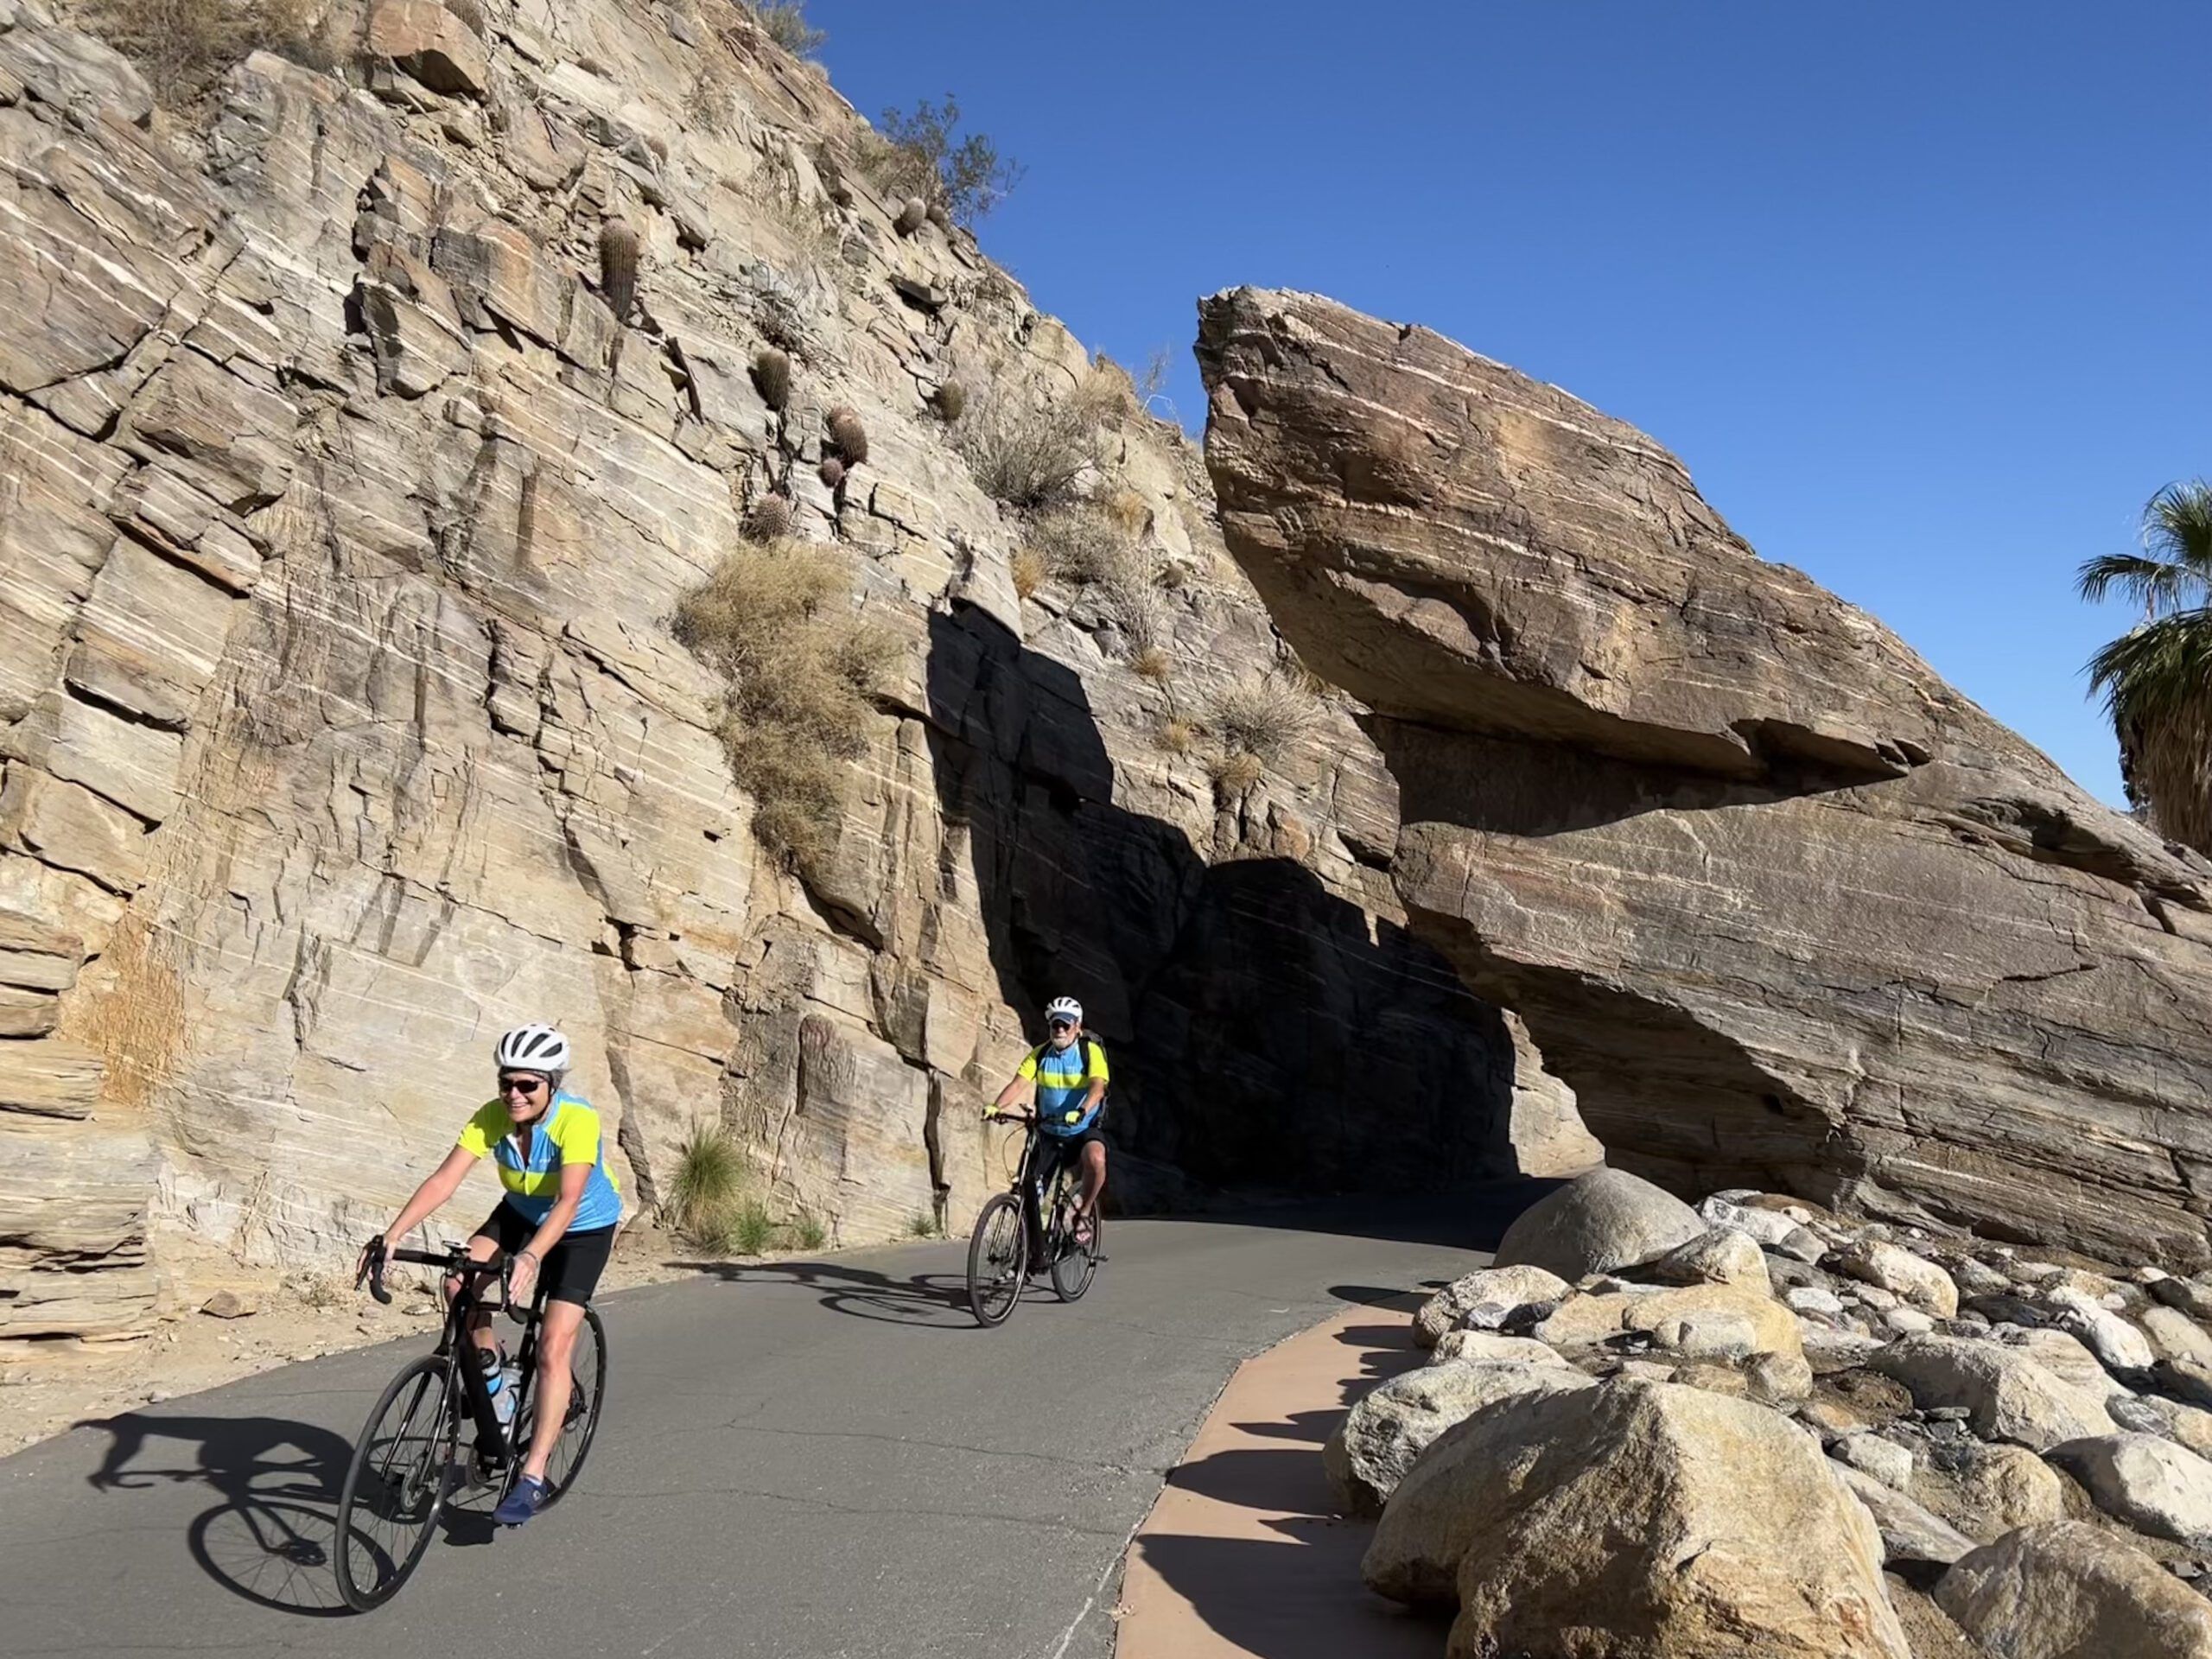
1012 1114
371 1261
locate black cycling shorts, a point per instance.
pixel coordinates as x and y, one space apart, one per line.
1055 1151
570 1271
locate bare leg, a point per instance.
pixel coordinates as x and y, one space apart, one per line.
481 1248
1093 1177
557 1341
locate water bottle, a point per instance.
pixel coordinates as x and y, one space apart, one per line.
499 1383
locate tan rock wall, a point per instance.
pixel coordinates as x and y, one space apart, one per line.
341 523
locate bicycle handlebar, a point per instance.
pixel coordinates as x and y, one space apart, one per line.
454 1261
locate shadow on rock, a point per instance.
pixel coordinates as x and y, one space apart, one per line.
1265 1032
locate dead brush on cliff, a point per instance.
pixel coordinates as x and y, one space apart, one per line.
184 46
1031 456
1262 717
777 622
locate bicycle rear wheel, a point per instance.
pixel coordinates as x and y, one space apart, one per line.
998 1255
1074 1266
396 1484
580 1422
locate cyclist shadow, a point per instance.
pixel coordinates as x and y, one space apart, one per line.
270 1538
929 1300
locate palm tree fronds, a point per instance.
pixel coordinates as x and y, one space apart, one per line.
2155 584
2177 526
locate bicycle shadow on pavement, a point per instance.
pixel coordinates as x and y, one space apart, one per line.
271 1537
927 1300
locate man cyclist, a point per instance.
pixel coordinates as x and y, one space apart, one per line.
1066 1074
555 1223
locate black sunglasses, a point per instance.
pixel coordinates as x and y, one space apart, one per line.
521 1085
1059 1025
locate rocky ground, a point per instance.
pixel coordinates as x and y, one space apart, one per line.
1756 1428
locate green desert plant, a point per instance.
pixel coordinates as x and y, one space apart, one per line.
709 1184
618 265
772 378
950 402
831 472
919 154
778 623
1260 717
812 1234
921 1225
752 1230
848 435
2155 679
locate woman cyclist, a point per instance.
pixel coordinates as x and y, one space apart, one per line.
555 1223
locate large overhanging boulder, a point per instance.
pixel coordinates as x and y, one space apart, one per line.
1784 909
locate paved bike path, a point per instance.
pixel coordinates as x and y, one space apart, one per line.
799 1460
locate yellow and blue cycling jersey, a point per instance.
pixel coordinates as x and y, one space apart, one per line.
1063 1077
568 1134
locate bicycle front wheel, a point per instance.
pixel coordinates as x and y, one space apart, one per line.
1074 1266
580 1422
998 1255
396 1485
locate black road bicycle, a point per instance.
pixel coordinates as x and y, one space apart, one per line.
1029 1226
404 1465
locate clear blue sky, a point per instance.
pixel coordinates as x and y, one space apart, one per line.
1919 291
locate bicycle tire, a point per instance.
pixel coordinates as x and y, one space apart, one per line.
998 1228
583 1426
1074 1266
424 1382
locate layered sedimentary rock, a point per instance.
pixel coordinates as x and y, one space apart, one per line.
1783 908
344 504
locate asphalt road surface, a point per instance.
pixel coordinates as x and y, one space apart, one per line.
799 1460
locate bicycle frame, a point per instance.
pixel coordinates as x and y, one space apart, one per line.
492 1444
1030 1190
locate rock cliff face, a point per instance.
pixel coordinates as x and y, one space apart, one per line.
344 505
1782 908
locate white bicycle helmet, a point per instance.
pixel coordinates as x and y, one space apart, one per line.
1063 1008
533 1048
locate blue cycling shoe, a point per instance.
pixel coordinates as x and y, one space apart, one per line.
527 1500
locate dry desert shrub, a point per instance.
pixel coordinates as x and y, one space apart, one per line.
1261 717
784 22
1028 570
1176 734
183 47
778 623
1155 663
1083 543
1029 457
1236 771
